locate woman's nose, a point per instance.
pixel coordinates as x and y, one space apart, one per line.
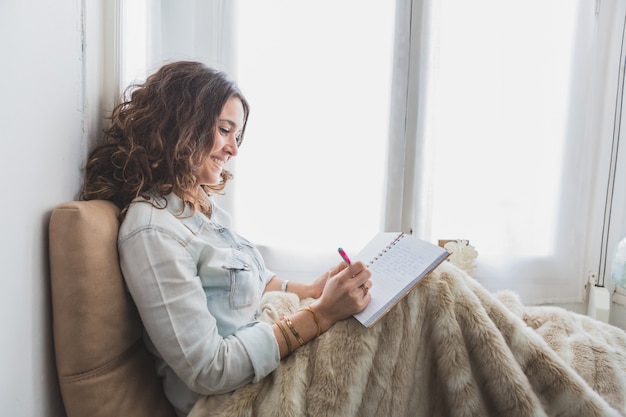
233 149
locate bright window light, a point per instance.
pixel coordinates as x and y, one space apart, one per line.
311 170
134 41
498 121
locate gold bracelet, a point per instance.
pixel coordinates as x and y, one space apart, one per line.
286 335
317 321
294 331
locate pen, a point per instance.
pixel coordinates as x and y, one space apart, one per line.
344 256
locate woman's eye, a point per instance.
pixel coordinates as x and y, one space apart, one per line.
224 130
238 139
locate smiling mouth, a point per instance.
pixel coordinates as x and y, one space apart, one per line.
219 162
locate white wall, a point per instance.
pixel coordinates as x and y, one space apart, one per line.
44 120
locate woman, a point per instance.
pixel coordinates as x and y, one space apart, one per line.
196 283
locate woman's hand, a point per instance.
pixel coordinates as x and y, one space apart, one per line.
304 290
345 293
316 287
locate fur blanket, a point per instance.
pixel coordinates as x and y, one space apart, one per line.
450 348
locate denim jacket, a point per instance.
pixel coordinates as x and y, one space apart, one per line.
197 286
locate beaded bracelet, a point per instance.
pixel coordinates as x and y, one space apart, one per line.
286 335
294 331
317 321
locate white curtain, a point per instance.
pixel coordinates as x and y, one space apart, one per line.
157 31
310 174
508 117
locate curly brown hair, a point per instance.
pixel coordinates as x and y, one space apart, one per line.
160 135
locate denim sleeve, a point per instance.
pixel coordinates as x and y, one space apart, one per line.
162 278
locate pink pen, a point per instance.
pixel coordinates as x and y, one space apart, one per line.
344 256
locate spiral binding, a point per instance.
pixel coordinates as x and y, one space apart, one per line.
387 248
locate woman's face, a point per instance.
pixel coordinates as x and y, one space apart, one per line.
227 132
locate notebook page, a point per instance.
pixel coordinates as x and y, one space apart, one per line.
396 271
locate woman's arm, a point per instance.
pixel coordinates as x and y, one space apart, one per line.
302 289
341 296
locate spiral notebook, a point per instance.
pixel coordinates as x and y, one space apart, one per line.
398 262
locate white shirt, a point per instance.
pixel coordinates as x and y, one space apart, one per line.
197 286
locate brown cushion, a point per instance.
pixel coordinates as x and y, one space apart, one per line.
103 366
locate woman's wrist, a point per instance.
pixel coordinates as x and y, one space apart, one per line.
324 320
312 291
302 290
297 329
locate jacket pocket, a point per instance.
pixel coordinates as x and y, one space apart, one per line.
244 283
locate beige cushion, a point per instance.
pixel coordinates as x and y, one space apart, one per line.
103 366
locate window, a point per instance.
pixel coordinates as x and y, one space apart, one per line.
134 50
311 170
507 134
